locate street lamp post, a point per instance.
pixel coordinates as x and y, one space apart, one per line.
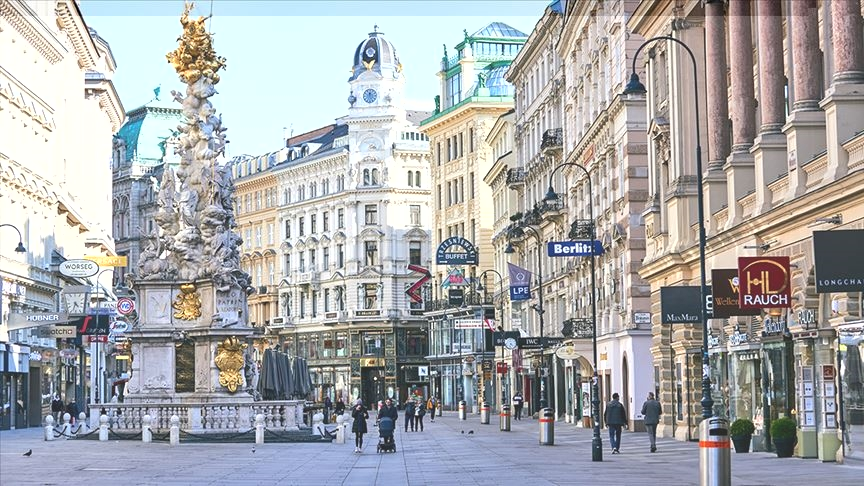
636 87
596 440
538 308
481 288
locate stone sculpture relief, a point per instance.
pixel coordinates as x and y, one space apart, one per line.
196 240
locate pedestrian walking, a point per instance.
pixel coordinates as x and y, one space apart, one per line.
339 408
328 406
419 412
518 402
57 408
430 406
652 410
360 415
410 410
616 418
388 410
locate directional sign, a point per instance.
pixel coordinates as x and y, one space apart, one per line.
468 324
93 325
574 248
108 261
78 268
125 306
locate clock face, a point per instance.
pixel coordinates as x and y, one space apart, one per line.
370 52
510 343
370 95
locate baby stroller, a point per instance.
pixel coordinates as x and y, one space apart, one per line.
386 426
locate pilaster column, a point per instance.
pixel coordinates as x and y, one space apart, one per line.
805 127
739 165
844 100
769 150
718 109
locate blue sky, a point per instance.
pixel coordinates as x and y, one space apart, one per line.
289 60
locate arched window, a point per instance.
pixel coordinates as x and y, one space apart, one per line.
366 178
374 177
416 178
410 178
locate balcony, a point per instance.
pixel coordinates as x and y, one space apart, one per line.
552 142
308 278
581 229
516 178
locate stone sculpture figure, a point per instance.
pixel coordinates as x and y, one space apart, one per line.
251 374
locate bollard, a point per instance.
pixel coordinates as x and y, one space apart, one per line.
504 419
547 426
146 430
175 430
259 428
340 429
462 410
318 424
67 426
103 428
715 466
83 428
484 413
49 428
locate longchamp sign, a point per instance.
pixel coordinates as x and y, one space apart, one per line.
837 267
764 282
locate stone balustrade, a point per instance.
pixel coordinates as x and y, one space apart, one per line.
201 417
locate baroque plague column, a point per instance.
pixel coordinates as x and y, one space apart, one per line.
189 342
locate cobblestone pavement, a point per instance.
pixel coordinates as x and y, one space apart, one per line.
441 455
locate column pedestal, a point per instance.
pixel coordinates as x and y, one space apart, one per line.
844 116
716 196
769 160
805 137
740 181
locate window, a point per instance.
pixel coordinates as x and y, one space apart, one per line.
313 224
326 300
414 253
271 279
340 218
257 200
370 295
371 214
270 233
325 258
415 214
268 198
471 186
416 178
248 200
259 281
325 221
315 310
302 262
247 242
342 344
340 255
258 236
312 266
302 313
367 177
301 223
287 229
287 268
470 140
375 177
371 252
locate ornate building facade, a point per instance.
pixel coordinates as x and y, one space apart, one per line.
781 86
58 109
474 94
352 211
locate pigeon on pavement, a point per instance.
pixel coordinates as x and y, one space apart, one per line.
470 432
29 453
463 431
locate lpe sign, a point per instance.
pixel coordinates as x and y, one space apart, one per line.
764 282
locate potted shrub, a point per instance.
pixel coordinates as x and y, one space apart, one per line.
741 433
784 434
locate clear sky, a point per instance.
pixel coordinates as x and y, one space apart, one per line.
289 60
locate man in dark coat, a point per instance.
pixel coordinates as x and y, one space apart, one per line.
388 410
409 414
616 418
651 410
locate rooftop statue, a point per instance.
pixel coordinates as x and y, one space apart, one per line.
196 216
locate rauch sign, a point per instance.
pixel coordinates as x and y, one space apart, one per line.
764 282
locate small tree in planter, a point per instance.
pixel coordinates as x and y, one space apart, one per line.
784 434
741 433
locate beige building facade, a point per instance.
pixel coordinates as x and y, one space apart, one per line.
780 85
58 110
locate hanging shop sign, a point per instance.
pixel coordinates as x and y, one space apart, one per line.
738 338
108 261
839 268
579 248
446 256
772 326
680 305
78 268
455 297
520 283
725 290
764 282
31 319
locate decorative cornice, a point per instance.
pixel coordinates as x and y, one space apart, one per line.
70 21
21 22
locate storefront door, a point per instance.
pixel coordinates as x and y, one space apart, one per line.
851 357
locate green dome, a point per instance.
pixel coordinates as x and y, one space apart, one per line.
146 129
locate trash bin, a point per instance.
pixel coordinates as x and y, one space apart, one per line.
715 467
504 419
462 410
484 413
547 426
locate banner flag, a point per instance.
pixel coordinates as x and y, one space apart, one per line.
520 283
